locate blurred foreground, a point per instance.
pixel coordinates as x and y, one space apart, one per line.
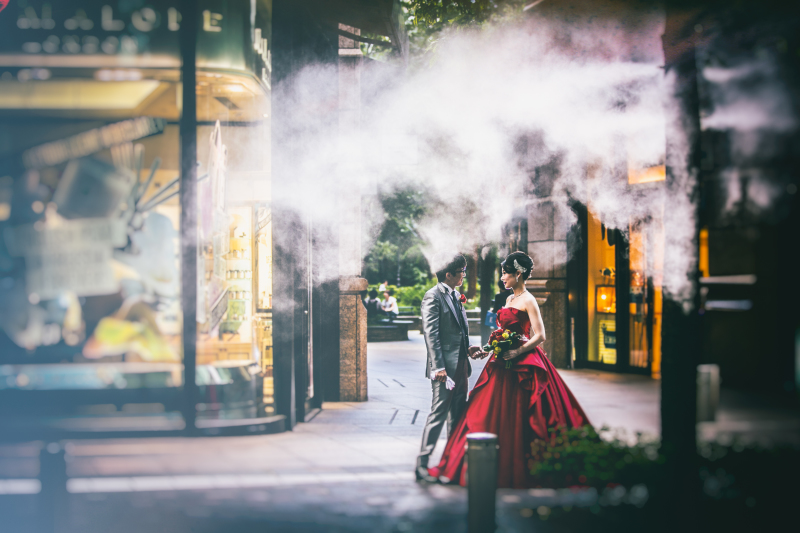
349 468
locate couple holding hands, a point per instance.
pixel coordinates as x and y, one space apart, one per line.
518 396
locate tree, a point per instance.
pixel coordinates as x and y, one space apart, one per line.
396 255
426 20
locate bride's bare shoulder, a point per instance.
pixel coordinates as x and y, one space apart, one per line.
530 300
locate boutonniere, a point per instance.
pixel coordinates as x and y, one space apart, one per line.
463 299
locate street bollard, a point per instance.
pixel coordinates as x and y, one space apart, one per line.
707 392
481 482
53 494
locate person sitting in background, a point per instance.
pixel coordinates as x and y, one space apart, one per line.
383 287
373 305
389 305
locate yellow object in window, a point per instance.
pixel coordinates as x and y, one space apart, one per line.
606 299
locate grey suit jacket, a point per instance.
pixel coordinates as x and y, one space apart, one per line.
444 337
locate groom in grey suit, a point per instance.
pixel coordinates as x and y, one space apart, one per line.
444 324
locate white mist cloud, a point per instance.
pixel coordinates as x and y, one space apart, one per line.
748 98
584 96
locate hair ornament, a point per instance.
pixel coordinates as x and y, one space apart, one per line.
519 267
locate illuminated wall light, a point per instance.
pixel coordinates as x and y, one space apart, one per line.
606 299
647 175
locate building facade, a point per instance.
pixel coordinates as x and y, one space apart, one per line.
141 283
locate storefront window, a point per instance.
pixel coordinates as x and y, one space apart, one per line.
602 293
90 273
234 297
647 267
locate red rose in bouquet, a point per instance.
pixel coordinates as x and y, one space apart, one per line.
463 298
502 341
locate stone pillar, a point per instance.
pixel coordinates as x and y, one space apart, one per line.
547 246
352 287
352 340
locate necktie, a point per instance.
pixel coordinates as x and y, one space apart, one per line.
457 304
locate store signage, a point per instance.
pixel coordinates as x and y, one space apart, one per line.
261 46
100 27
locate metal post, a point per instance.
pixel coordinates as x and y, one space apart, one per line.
707 392
188 201
481 481
53 493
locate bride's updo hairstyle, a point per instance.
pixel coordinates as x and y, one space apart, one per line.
518 263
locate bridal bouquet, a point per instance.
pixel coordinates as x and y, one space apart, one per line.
502 341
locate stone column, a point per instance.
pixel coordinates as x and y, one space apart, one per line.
352 287
547 246
352 340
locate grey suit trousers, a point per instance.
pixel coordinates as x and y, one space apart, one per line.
446 406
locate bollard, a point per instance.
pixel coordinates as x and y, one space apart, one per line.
53 493
481 482
707 392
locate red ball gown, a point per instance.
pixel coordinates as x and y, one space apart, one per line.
518 404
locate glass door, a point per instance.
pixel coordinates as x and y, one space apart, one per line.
602 293
646 252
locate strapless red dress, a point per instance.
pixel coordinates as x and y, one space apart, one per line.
518 404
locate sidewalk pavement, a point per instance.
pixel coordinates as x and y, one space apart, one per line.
348 469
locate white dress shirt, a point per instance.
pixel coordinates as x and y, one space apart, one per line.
390 305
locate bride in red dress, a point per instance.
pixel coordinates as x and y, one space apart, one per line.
518 396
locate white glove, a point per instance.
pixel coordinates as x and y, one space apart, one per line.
449 384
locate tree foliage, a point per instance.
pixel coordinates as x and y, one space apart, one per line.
396 253
426 21
397 250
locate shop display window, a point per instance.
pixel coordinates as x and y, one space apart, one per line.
90 272
646 252
602 293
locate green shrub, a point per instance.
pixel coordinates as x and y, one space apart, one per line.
411 296
583 456
736 488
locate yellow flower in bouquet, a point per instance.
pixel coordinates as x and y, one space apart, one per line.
503 340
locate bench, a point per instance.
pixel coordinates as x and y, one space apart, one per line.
474 313
388 331
415 322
